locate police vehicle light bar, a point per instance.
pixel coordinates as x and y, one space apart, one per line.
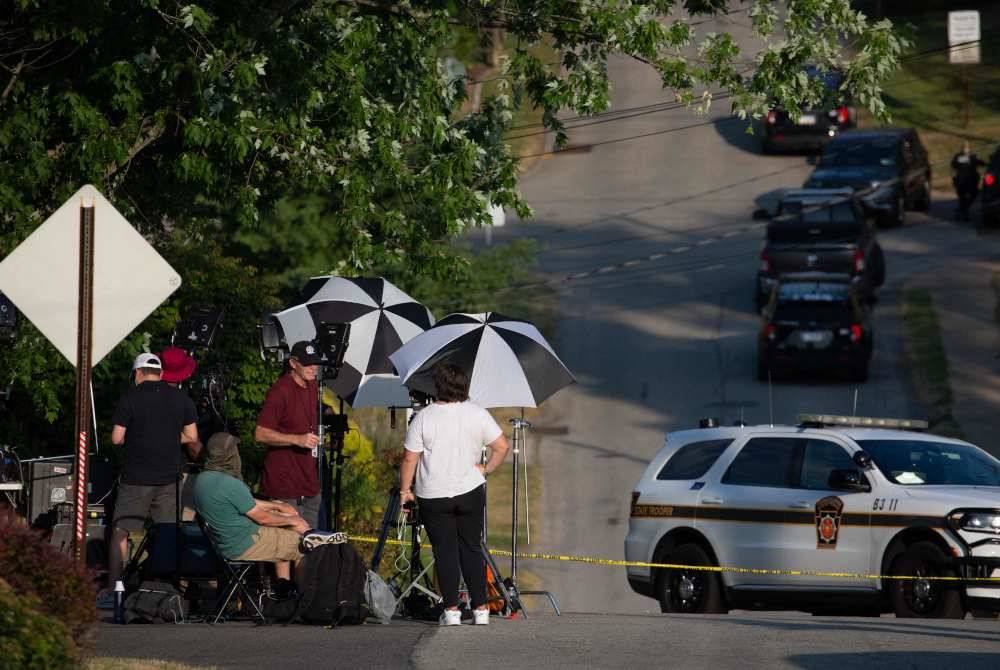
861 422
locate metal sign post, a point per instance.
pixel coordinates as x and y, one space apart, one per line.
85 289
85 316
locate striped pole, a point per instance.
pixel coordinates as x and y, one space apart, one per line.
85 315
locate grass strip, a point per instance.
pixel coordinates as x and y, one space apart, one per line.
927 361
112 663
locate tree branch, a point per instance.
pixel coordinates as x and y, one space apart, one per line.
141 143
13 79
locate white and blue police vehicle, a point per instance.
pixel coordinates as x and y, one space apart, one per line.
846 500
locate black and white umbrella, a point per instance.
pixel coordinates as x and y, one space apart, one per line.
508 361
382 318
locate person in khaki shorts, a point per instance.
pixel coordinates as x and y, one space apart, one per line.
243 527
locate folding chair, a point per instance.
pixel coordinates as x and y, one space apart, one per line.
235 572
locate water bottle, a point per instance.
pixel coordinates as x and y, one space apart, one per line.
119 602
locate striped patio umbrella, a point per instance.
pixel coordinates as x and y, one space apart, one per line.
382 319
508 361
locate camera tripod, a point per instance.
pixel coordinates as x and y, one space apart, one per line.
417 572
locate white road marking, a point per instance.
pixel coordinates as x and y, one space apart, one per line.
702 243
606 268
629 264
680 250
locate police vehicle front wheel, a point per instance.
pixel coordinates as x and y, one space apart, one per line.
688 591
925 598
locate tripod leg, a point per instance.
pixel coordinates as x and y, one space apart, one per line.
511 596
391 510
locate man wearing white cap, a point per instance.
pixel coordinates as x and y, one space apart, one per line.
152 420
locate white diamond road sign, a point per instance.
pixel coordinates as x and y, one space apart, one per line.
41 276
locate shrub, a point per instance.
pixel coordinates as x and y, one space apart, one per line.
62 587
30 639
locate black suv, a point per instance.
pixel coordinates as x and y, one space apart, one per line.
991 191
815 125
887 168
821 231
815 322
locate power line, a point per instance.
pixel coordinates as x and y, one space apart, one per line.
633 112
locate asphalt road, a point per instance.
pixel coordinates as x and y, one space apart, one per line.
653 250
766 641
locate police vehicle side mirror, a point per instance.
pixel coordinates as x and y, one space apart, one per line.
762 214
848 480
862 459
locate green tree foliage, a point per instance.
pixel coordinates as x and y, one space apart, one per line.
47 587
29 639
319 135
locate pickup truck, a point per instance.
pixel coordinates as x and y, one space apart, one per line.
821 230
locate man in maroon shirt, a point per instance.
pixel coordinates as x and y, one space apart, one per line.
288 426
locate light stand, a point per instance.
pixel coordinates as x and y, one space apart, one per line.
332 340
520 425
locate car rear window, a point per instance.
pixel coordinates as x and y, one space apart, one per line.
816 224
693 460
813 311
860 153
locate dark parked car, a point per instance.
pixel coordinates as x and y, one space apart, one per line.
887 167
815 323
991 192
821 231
815 125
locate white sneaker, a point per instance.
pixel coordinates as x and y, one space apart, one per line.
450 618
482 617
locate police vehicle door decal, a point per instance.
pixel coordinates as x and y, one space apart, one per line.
828 515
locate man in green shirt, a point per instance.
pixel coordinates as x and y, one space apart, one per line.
242 526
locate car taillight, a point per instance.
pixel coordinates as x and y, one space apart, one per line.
770 331
859 261
989 179
635 500
765 262
772 117
856 333
843 115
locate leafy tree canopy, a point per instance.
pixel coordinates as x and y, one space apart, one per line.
204 115
198 119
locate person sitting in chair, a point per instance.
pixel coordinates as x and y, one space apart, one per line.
243 527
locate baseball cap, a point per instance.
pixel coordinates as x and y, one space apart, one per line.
146 360
306 353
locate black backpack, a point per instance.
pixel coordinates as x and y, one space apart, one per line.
154 602
331 583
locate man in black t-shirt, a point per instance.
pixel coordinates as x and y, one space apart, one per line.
152 420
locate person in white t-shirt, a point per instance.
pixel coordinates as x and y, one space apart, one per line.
443 445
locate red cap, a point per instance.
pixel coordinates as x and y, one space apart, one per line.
177 365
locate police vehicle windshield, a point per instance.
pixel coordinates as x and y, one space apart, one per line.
915 462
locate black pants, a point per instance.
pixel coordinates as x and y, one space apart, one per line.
455 528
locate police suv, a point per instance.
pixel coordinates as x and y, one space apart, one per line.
848 500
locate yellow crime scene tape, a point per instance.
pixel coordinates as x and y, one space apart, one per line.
591 560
